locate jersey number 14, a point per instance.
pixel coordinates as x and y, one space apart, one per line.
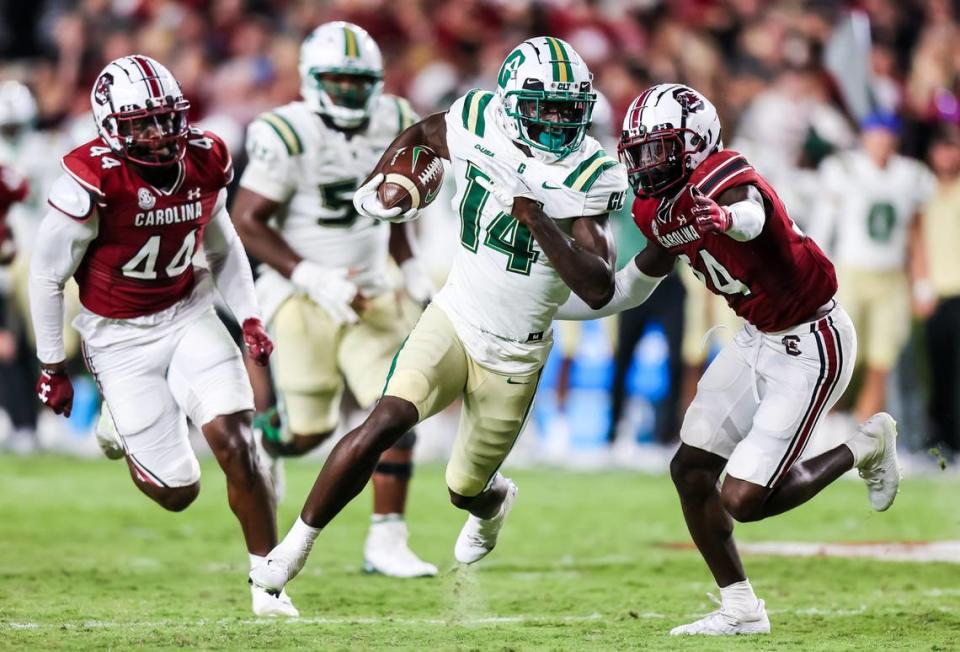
504 234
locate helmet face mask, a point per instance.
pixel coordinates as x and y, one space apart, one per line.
350 90
154 137
657 163
552 122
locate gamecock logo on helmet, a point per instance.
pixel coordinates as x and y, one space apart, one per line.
101 92
688 99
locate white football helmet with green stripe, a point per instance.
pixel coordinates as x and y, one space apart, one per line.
546 97
341 72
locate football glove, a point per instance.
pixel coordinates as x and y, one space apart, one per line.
258 343
55 390
328 288
416 282
708 215
366 202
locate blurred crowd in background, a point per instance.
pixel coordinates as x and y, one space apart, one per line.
794 82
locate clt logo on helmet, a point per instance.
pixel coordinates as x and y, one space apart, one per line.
101 92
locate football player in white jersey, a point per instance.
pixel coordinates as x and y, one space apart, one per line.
871 209
533 194
326 287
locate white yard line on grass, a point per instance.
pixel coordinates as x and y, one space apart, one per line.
413 622
921 551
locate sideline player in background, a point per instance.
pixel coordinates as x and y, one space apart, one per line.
326 289
127 217
877 237
533 193
760 400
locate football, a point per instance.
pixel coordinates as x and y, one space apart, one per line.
412 178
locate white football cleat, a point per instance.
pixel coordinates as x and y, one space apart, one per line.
386 552
881 470
280 567
727 623
267 604
479 535
107 436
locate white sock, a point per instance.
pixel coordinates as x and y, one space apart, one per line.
385 518
300 537
862 447
739 598
255 560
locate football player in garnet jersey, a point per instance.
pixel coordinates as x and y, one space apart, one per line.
126 218
759 402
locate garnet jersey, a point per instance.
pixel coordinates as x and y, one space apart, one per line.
774 281
141 260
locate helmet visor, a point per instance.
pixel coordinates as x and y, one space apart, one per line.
654 162
555 122
349 90
154 136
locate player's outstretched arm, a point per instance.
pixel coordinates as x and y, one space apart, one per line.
632 286
234 280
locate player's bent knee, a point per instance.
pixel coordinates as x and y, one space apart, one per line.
741 502
176 499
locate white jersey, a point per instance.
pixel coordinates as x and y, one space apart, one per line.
867 210
312 169
502 291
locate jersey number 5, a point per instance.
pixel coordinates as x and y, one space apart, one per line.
504 234
144 263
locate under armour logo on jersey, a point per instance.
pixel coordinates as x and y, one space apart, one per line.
145 199
193 194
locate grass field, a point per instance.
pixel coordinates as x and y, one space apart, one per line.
87 562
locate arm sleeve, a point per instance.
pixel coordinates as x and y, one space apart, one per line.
747 216
61 243
269 172
631 288
228 263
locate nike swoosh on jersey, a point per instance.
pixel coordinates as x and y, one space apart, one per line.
511 381
548 186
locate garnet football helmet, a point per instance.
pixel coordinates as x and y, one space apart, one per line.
668 131
140 111
341 73
546 97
